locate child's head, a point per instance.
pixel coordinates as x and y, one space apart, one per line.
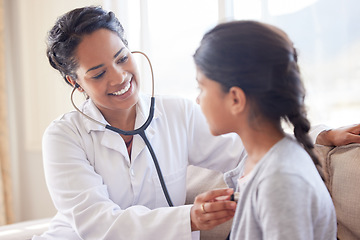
260 60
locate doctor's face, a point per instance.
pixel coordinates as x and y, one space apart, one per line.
213 102
107 71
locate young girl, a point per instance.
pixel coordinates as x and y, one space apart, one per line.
250 83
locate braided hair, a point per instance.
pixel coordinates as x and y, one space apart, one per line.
261 60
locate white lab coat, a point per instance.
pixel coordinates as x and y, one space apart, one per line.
100 194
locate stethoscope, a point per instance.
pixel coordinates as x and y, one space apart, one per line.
140 130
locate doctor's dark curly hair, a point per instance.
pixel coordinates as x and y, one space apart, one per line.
68 32
261 60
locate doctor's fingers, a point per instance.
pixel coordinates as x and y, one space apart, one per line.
212 219
213 195
214 207
213 223
210 211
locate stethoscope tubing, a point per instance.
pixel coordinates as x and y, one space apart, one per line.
140 130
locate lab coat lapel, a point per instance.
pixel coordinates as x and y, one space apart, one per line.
114 141
109 139
142 114
89 109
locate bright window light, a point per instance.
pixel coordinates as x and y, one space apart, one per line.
245 9
281 7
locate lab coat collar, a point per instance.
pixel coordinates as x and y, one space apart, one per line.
89 109
113 140
142 111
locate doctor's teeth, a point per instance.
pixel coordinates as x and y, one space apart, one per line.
122 91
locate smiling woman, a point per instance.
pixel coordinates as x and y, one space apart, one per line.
109 76
87 46
30 80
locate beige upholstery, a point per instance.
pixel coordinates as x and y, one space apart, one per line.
341 171
200 180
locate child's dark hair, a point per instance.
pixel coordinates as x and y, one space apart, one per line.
68 32
261 60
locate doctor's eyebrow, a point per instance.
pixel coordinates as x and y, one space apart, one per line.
117 54
101 65
96 67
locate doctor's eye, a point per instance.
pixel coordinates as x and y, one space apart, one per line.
100 75
122 59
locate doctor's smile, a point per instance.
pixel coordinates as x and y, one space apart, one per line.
123 90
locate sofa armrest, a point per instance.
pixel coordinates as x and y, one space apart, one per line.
24 230
341 171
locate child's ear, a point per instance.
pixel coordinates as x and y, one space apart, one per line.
238 100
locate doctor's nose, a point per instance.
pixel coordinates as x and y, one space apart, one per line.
119 76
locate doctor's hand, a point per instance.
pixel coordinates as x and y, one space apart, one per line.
211 209
340 136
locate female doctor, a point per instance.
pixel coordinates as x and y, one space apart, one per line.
103 184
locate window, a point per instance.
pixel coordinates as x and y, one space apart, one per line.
325 33
171 32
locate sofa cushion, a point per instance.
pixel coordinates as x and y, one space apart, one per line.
341 172
200 180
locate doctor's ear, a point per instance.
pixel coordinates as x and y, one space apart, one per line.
237 100
74 83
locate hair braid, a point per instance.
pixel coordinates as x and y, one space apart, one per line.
301 128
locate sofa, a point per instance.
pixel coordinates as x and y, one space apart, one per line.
340 171
341 174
